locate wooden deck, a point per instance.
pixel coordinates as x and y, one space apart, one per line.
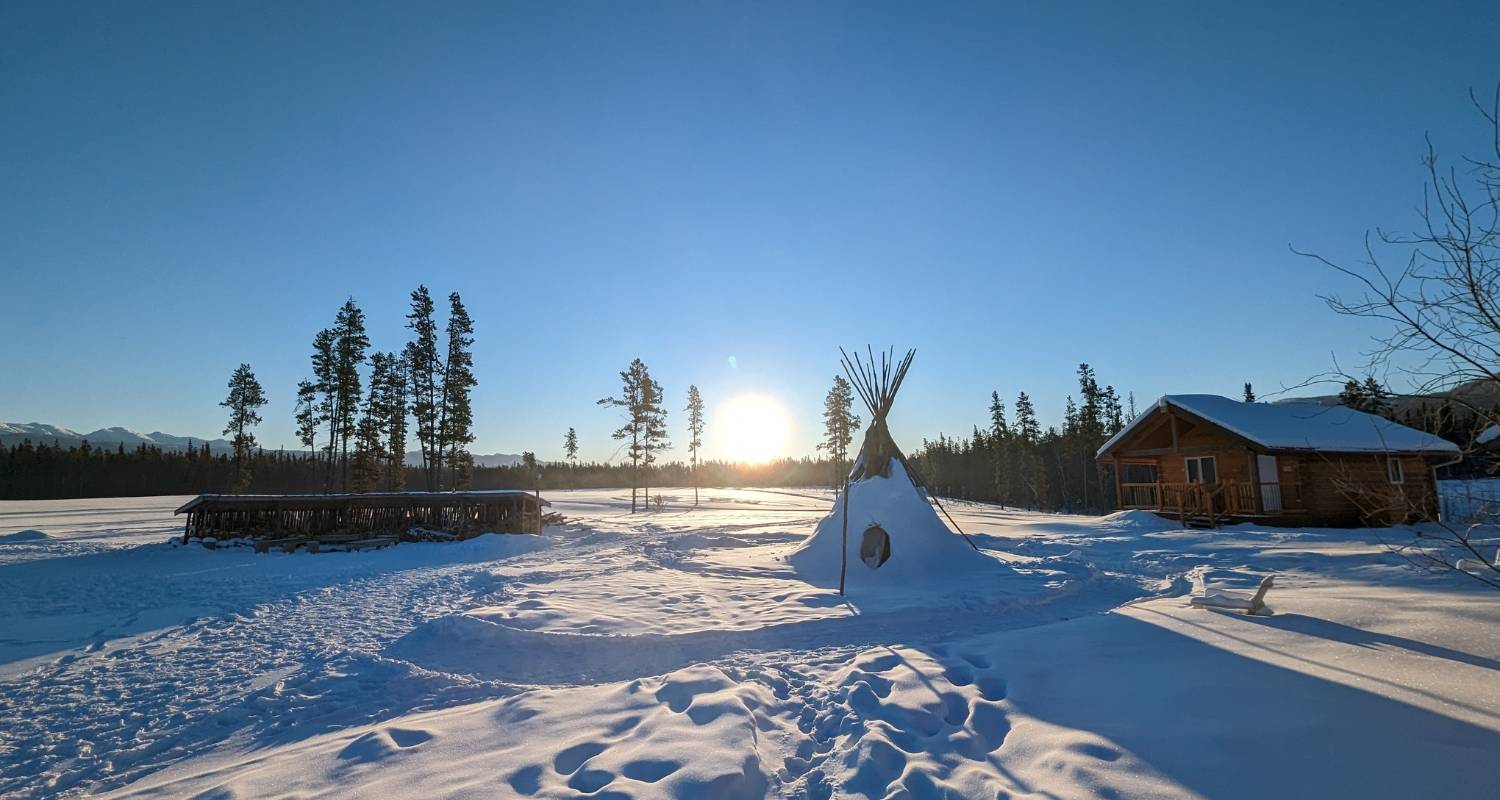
1212 503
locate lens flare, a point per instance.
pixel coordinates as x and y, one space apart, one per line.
750 427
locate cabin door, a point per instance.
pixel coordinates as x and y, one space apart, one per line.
1270 483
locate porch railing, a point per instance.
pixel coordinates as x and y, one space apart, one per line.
1192 499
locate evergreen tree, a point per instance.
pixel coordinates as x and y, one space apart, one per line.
839 424
349 345
1028 438
325 384
461 463
633 381
1377 399
393 404
456 417
570 446
245 399
307 415
533 474
999 428
653 431
425 378
1249 393
373 444
1114 415
695 433
1353 395
1000 449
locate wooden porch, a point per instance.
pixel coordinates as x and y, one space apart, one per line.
1211 503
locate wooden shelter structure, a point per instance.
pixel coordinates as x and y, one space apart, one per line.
1206 459
360 520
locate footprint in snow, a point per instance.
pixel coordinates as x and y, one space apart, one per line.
379 745
570 760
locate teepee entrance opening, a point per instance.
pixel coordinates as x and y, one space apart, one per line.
875 547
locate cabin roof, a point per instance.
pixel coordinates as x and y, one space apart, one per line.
1296 426
382 499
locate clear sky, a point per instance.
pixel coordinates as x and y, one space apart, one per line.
1009 188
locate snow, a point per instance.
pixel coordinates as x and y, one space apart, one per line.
923 551
1488 435
1298 426
685 654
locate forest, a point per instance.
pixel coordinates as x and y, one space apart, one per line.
44 472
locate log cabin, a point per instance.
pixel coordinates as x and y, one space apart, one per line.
1202 458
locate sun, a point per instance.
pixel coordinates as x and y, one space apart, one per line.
750 427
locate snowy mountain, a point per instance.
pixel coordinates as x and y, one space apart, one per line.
40 432
12 433
414 459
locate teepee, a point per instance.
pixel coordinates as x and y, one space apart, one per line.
883 528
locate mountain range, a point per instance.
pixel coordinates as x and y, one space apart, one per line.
13 433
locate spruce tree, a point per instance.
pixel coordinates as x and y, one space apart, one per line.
632 387
1028 438
839 424
349 345
1000 449
424 376
245 399
695 433
456 417
1249 392
1377 399
307 415
533 474
1353 395
653 431
570 446
371 454
394 405
325 384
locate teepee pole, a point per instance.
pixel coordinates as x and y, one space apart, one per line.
955 523
844 541
912 472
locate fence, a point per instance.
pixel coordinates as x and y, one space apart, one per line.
1470 502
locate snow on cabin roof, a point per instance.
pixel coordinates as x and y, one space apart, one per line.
1298 426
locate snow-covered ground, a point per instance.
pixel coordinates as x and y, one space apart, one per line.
681 654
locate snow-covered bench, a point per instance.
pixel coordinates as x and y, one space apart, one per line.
1253 604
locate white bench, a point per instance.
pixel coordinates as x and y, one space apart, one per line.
1253 604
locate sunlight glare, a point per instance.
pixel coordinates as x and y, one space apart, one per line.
751 427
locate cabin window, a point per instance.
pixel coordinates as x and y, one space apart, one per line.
1202 469
1395 470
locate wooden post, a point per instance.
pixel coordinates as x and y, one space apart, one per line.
1119 490
844 540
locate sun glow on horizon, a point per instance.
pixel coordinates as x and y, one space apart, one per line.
750 427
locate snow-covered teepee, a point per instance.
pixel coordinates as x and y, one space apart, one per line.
893 536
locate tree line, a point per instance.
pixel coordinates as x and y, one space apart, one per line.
47 471
359 437
1017 462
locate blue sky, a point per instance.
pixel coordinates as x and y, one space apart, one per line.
1010 189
